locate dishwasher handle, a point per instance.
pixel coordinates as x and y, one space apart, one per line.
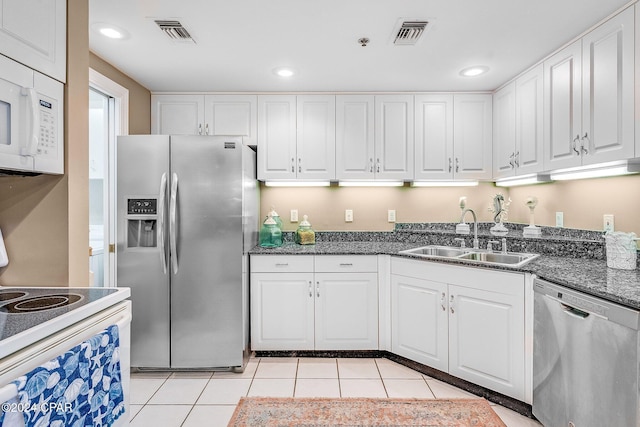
574 312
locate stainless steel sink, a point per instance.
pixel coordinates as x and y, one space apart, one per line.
512 259
437 251
515 259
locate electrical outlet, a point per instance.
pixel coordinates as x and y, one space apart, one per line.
348 215
391 215
294 215
559 219
607 222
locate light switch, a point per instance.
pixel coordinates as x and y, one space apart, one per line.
294 215
391 215
607 222
348 215
559 219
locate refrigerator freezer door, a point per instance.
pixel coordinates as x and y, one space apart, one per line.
142 163
206 291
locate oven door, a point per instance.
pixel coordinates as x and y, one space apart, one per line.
28 359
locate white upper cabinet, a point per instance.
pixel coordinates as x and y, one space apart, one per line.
504 131
608 90
434 137
518 126
589 97
277 137
472 136
296 137
177 114
232 115
35 33
316 142
394 115
197 114
355 151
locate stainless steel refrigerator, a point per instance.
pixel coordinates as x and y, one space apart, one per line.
187 216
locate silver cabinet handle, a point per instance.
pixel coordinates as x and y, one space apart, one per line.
457 165
443 299
517 159
318 289
378 165
162 200
450 164
512 161
575 144
346 264
293 164
371 164
206 129
299 164
310 290
199 128
451 305
582 147
282 264
173 222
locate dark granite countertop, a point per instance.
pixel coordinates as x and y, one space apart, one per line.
576 262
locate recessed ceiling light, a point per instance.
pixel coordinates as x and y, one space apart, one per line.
110 31
476 70
284 72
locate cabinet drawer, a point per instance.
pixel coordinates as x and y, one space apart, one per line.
282 263
346 263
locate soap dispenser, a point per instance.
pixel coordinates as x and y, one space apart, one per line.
305 234
270 234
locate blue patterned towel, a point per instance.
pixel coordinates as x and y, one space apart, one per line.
80 388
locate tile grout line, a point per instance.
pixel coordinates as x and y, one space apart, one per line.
384 386
196 401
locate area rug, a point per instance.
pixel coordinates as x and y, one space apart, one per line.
326 412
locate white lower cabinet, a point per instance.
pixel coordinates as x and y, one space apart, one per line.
465 321
299 304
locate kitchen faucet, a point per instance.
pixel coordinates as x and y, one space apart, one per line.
475 226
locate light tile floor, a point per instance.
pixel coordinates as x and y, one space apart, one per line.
206 399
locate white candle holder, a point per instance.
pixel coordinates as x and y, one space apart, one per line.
531 230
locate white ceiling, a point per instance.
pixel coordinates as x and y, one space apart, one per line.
240 42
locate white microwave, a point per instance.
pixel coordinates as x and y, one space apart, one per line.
31 121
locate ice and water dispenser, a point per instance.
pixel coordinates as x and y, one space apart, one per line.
142 223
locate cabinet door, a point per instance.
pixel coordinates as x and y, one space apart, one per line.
529 124
419 321
472 136
316 137
562 108
346 311
232 115
608 90
282 311
490 352
277 155
35 33
504 131
354 137
394 137
434 137
177 114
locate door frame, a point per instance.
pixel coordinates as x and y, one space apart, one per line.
120 118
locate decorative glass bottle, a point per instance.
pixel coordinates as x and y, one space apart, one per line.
273 214
270 234
305 234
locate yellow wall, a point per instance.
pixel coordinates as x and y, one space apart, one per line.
45 219
582 202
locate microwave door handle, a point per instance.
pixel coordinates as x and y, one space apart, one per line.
34 116
173 232
162 200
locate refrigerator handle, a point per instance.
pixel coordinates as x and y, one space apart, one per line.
173 232
162 199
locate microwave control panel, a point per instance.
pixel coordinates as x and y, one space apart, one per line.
142 206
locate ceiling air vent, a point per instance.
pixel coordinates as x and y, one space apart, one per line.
174 30
410 32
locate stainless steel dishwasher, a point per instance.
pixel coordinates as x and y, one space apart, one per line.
585 360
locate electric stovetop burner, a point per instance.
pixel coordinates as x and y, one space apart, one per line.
39 303
8 296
